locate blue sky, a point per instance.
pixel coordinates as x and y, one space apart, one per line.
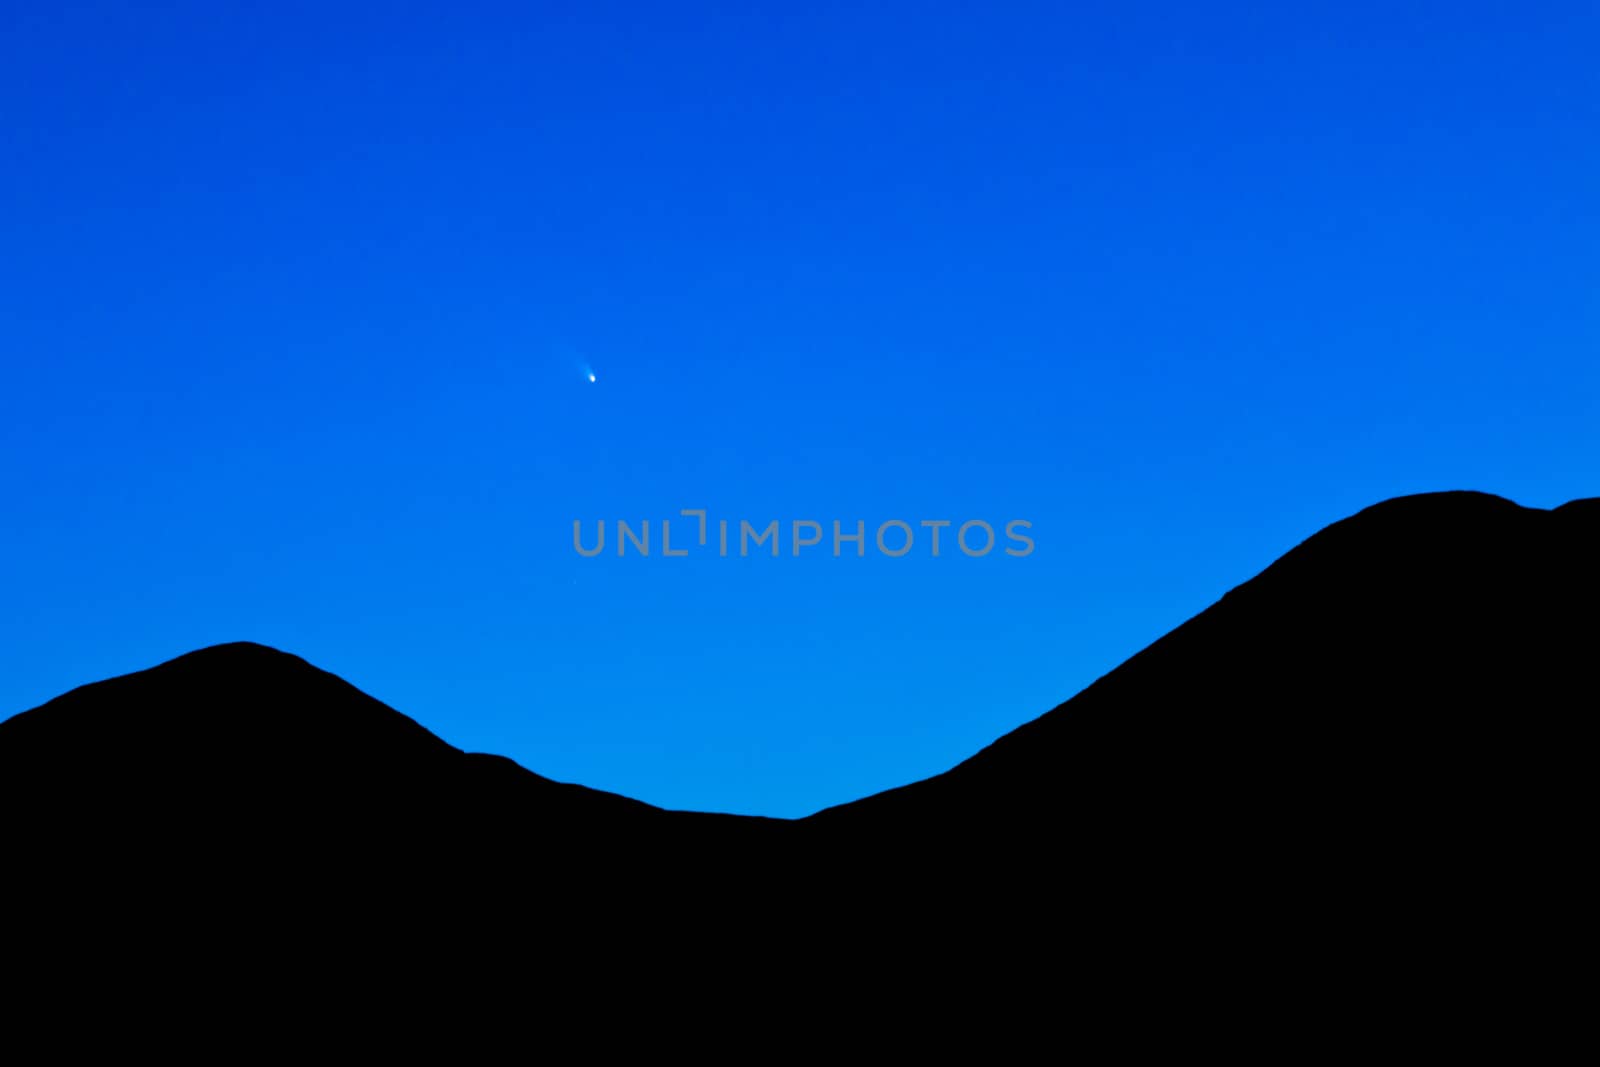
298 301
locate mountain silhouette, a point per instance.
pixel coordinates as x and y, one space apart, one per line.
1374 750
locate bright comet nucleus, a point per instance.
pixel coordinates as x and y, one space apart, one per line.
591 376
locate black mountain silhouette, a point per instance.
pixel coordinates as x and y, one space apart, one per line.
1372 755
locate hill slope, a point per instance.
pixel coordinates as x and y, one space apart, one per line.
1378 743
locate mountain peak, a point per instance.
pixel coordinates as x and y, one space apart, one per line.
1377 740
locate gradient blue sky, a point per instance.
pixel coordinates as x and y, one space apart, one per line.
296 300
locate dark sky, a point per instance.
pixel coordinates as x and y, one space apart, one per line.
299 303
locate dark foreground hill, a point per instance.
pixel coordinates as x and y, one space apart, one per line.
1369 764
